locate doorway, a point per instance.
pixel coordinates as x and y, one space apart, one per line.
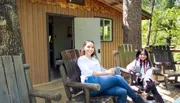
60 38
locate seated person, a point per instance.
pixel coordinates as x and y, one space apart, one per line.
110 84
143 67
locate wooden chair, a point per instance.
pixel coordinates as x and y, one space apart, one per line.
163 59
75 90
15 84
125 55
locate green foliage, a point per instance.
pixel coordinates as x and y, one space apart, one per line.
165 22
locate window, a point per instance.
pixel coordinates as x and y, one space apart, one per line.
106 29
79 2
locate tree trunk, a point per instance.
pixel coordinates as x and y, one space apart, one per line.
168 41
10 36
155 35
150 23
132 14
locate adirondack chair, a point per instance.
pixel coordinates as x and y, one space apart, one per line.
163 59
75 90
125 55
15 84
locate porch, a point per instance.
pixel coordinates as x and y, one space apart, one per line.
168 95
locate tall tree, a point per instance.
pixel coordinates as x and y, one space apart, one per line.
165 23
132 13
150 23
10 36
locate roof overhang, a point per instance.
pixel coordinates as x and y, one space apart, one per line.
118 5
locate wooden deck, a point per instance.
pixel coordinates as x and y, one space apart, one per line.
168 95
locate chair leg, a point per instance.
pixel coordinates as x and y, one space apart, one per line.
166 82
114 99
87 96
47 101
176 79
156 77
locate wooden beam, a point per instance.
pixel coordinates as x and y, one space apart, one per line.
108 4
119 1
145 14
114 3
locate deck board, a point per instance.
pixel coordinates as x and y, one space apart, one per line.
169 96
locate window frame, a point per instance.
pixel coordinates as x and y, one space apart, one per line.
111 29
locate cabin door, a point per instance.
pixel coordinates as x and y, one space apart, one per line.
87 29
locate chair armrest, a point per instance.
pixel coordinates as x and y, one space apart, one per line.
166 63
125 71
115 52
163 63
45 94
90 86
130 74
86 87
178 62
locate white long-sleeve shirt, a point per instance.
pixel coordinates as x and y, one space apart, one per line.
88 66
146 72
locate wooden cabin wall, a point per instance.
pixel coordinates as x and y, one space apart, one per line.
32 18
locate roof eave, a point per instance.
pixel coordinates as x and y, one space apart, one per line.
145 14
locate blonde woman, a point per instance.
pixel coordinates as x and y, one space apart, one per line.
111 84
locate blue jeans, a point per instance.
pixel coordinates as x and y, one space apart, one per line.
112 85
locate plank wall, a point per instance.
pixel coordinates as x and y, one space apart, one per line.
32 18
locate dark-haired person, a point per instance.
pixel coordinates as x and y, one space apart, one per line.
110 84
143 66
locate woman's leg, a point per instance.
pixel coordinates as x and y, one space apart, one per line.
106 82
121 93
156 94
152 87
122 83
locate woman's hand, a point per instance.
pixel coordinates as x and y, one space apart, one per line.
111 71
144 84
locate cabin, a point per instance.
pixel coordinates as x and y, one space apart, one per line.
51 26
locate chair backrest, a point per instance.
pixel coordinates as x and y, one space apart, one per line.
162 53
126 54
13 83
72 70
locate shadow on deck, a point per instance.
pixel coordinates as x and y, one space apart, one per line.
168 95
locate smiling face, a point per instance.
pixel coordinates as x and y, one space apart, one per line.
89 49
142 56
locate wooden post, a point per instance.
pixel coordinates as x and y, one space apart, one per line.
47 101
1 48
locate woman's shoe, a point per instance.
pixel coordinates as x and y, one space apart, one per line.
149 97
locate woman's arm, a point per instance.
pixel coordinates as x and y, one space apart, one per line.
85 70
103 69
131 66
106 72
148 74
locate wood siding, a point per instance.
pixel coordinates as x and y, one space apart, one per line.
32 18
